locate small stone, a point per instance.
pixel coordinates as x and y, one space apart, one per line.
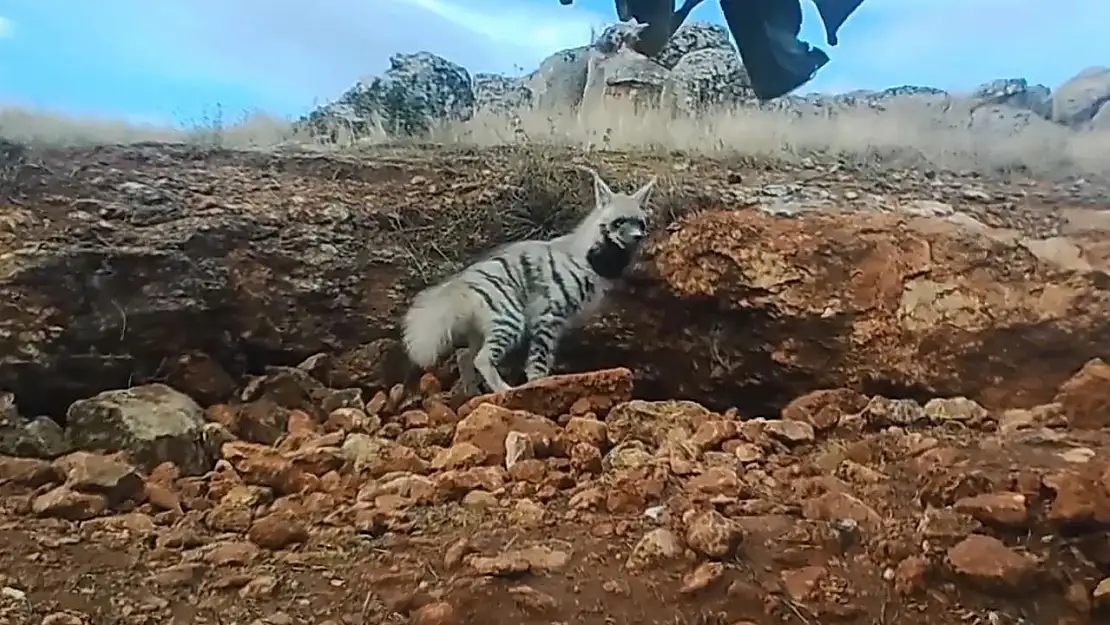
479 500
1080 499
260 587
701 577
1101 595
527 513
839 506
658 546
584 430
28 472
801 583
65 503
488 426
518 446
533 600
277 531
1085 398
108 475
991 565
792 432
711 534
995 508
881 412
585 458
438 613
909 577
962 409
230 553
823 408
554 395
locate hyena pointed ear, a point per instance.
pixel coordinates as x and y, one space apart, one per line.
603 195
643 194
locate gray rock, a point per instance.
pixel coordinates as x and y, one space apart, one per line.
1006 120
625 74
501 94
619 36
151 423
41 437
560 80
1078 100
691 37
416 92
1101 121
1016 93
708 78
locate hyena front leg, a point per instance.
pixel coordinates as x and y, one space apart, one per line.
546 331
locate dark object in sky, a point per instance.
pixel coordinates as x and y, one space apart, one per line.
766 33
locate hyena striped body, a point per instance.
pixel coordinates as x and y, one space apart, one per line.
529 290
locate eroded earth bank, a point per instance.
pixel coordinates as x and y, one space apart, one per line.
827 394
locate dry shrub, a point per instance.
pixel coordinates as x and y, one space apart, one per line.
907 135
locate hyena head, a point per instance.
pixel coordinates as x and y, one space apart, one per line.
617 226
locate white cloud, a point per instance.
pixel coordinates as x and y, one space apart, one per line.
5 27
563 28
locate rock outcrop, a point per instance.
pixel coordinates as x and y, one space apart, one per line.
417 91
698 72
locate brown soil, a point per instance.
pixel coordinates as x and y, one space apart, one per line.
845 511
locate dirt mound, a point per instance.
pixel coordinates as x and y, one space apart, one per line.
561 501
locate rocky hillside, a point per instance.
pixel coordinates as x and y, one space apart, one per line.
831 391
698 73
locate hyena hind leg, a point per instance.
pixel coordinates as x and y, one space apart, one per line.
468 374
502 337
546 331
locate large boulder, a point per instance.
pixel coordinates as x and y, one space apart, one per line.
560 80
1079 99
692 37
499 94
624 75
706 79
920 305
1015 93
152 424
418 91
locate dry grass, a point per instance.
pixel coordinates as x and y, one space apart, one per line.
908 136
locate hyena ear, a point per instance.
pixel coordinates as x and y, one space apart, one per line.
603 195
643 194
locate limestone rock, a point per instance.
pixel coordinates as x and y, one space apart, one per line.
152 424
1079 99
708 79
501 94
418 89
693 37
560 80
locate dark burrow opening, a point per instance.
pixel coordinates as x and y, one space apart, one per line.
42 391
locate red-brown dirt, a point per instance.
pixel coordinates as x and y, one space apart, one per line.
849 509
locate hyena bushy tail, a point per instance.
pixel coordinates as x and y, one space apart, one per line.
438 318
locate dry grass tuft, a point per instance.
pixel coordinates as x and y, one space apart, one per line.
909 136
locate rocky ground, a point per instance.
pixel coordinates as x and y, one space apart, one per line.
189 446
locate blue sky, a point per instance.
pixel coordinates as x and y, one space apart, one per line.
182 60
